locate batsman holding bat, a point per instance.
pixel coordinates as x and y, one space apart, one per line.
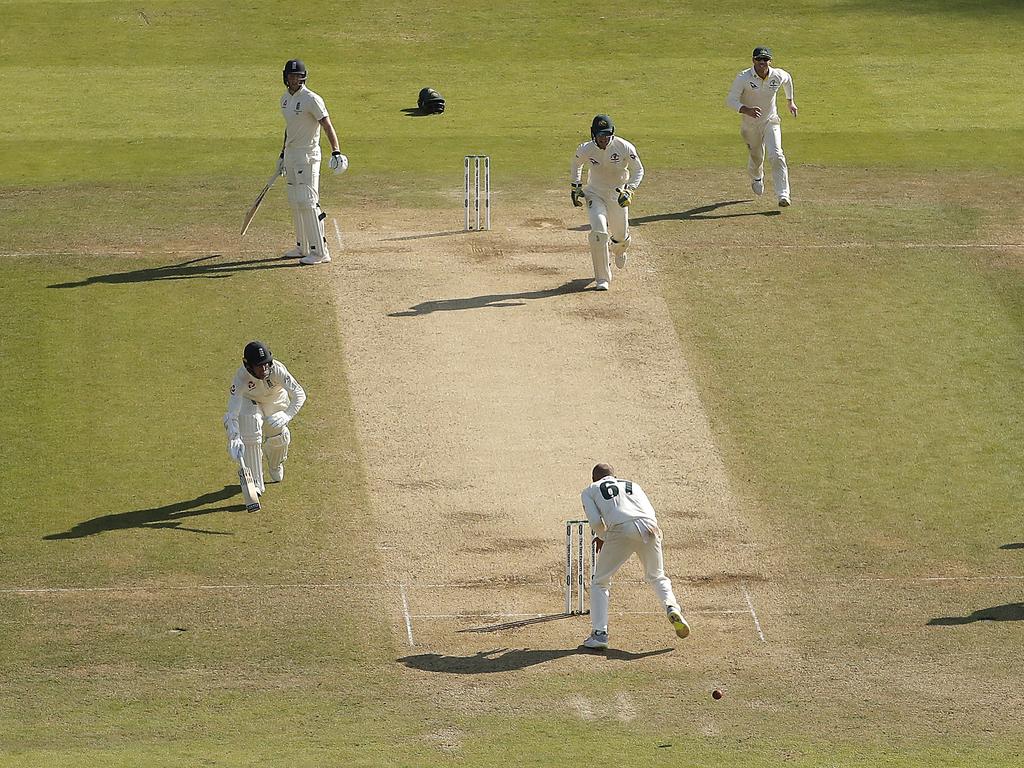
614 172
622 518
264 399
304 114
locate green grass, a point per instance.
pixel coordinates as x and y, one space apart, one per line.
865 392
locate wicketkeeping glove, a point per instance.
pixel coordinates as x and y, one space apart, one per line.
278 419
576 195
338 162
625 196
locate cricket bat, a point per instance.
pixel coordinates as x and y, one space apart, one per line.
251 213
252 499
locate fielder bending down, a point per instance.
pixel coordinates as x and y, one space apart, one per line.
614 172
304 113
622 519
264 398
753 96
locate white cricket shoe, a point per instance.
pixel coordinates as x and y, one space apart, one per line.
321 258
277 473
294 253
597 640
784 202
677 621
602 285
757 186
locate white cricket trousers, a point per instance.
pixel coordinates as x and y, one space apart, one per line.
619 545
607 218
765 137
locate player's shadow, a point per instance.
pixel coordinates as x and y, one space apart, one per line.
518 623
508 660
448 233
493 300
702 213
199 268
169 516
1007 612
1013 545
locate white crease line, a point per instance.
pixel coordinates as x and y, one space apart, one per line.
227 253
454 585
408 616
904 580
750 605
337 232
555 615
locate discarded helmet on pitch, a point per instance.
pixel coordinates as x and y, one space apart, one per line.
430 101
256 353
294 67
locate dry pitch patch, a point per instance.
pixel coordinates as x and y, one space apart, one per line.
487 378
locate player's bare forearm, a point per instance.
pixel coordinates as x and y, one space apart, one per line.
331 135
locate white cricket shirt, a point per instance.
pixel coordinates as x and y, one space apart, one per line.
749 90
278 387
611 502
617 165
302 112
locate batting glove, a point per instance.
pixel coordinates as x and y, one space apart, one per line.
338 162
576 195
278 419
235 448
280 165
625 197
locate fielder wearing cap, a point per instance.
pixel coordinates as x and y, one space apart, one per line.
263 398
753 96
614 172
304 114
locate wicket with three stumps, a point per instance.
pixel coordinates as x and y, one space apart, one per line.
477 160
576 534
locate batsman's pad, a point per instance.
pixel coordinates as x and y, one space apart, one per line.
276 448
599 253
309 218
430 101
253 457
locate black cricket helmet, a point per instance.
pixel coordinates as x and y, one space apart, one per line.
294 67
256 353
602 126
430 101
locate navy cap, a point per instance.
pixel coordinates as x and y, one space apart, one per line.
761 52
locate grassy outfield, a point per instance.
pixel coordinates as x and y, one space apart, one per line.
859 357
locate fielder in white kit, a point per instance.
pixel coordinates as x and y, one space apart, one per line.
304 113
753 96
264 398
622 518
614 173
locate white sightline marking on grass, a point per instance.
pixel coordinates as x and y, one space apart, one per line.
408 616
337 233
753 613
